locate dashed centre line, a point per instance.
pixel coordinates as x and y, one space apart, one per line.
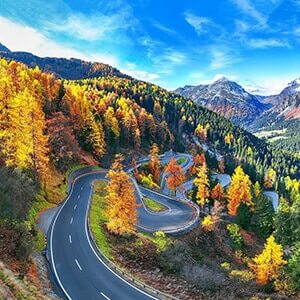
70 238
71 221
75 206
78 265
105 296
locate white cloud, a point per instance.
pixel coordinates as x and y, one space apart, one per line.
247 7
266 87
198 23
132 70
297 32
267 43
92 27
221 58
164 28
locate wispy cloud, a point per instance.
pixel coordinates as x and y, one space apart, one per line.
248 8
132 69
92 27
222 58
267 43
163 28
165 61
198 23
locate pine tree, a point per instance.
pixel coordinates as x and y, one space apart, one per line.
263 214
121 209
267 264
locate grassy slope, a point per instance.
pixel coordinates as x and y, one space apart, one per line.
97 219
153 205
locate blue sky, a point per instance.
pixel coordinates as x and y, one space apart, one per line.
171 43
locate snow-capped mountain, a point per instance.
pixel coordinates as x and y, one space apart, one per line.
227 98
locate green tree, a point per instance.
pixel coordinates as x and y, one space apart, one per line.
244 216
262 219
293 267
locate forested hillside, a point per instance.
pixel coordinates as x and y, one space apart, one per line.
49 125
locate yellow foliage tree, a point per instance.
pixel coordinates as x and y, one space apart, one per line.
239 191
154 163
270 178
267 264
121 209
202 184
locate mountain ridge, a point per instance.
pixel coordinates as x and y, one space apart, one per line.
70 69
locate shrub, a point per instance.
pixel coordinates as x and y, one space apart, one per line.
235 236
161 241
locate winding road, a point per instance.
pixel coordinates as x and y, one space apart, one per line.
78 269
80 272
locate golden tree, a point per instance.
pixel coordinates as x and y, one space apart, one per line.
270 178
154 163
239 191
229 138
202 184
175 175
121 209
267 264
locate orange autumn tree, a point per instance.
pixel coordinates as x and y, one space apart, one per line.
270 178
267 264
154 163
218 193
175 175
121 210
202 184
239 191
198 160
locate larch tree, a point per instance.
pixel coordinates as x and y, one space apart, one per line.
154 163
198 160
221 165
202 184
267 264
218 194
229 138
175 175
239 191
121 211
270 178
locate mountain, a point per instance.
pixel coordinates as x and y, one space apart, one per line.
226 98
3 48
292 88
72 69
281 123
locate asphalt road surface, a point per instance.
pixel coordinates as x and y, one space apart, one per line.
78 269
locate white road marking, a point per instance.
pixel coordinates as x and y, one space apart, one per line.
81 188
70 239
78 265
78 196
75 206
105 296
71 221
